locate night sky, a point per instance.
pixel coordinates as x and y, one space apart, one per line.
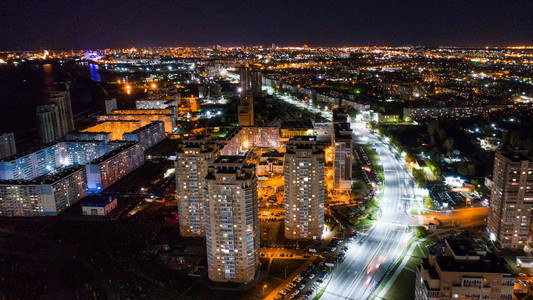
81 24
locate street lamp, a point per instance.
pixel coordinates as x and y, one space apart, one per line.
264 287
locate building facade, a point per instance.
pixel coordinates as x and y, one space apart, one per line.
108 169
245 77
64 109
192 159
79 152
7 145
42 196
89 136
55 119
342 157
260 136
26 166
511 200
110 105
149 135
463 274
256 82
48 122
145 117
304 189
246 110
232 220
245 137
47 159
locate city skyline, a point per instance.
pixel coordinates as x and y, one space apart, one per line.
111 24
135 166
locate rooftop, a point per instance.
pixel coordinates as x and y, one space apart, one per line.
340 115
303 143
154 111
155 123
297 124
272 154
97 200
114 152
45 179
204 145
461 247
229 161
487 264
516 154
227 164
304 139
342 131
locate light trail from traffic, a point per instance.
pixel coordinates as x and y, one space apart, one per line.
371 256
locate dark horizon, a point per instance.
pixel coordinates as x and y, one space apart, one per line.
63 25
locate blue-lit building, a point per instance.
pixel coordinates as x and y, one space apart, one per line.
96 205
108 169
27 166
42 196
88 136
149 135
79 152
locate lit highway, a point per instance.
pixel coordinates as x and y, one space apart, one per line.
372 255
366 264
326 114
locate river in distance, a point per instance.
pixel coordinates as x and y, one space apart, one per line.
25 85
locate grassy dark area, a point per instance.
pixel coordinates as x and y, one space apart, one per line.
403 287
258 292
165 148
363 224
277 269
271 237
201 291
440 139
264 263
90 259
404 284
282 240
420 231
428 203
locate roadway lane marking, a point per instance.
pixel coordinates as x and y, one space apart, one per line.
390 223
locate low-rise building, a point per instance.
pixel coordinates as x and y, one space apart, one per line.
291 129
270 163
96 205
464 272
